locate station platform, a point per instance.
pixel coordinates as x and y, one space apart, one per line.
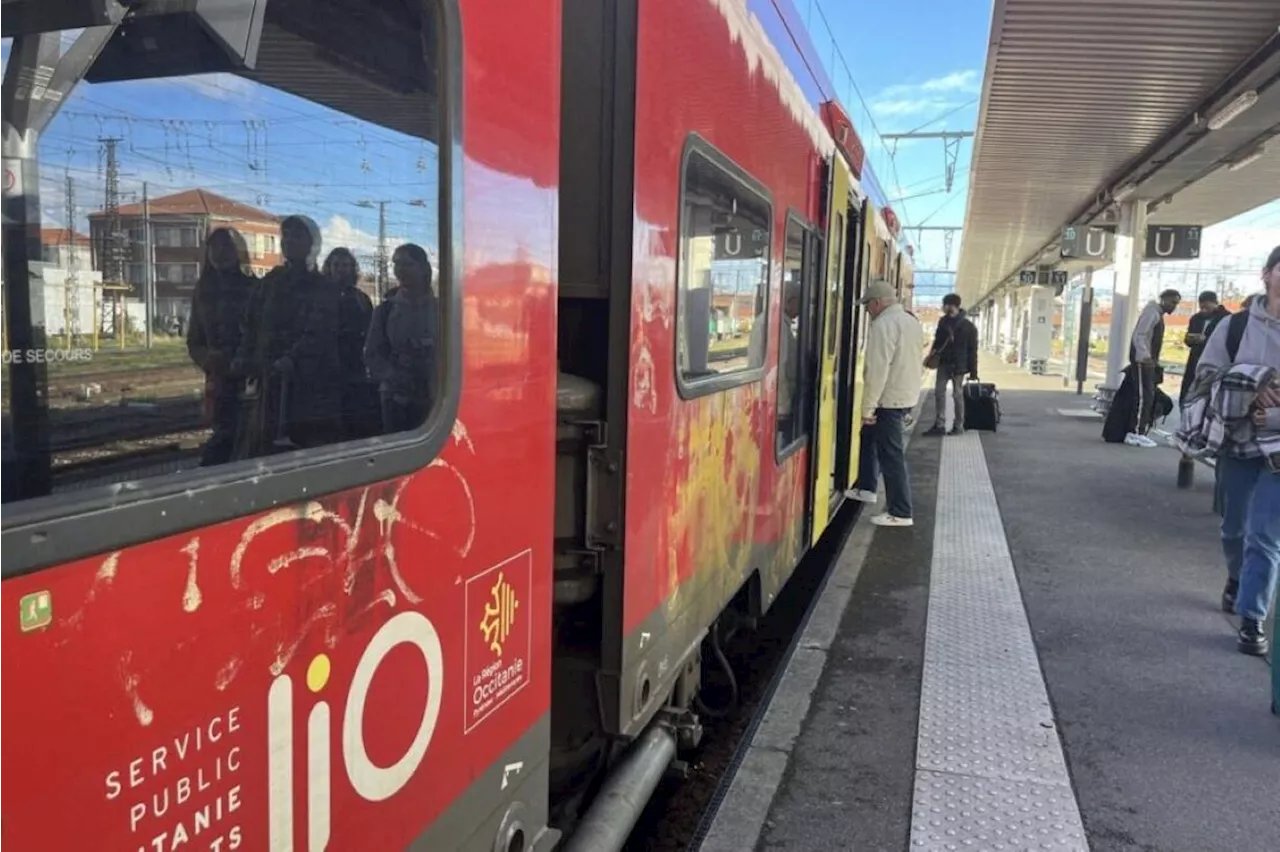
1039 663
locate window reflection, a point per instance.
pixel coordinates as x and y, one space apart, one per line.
178 313
724 263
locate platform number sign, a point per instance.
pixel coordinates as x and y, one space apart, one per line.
1173 242
1091 243
1027 276
741 243
1058 277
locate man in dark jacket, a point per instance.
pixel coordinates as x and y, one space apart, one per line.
954 355
1199 330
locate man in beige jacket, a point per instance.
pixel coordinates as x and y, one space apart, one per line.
891 388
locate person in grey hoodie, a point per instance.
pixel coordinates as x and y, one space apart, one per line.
403 345
1249 478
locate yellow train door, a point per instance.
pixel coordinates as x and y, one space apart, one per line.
825 495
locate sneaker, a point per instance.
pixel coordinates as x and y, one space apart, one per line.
935 431
1133 439
1229 597
861 495
887 520
1252 639
956 430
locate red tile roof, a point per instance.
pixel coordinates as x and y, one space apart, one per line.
198 202
59 237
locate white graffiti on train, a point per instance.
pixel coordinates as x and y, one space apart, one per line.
191 596
643 395
105 577
129 679
745 28
388 515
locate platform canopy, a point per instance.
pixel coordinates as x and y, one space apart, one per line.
1092 102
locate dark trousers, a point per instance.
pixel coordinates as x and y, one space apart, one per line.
1144 376
225 421
884 452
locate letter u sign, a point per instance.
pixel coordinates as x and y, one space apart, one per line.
1095 243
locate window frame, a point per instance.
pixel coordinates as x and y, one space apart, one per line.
690 389
51 530
812 236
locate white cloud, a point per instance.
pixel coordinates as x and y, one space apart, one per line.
911 106
339 231
956 81
937 94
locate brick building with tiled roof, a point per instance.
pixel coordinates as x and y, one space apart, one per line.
179 224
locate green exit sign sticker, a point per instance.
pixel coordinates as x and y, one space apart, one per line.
35 610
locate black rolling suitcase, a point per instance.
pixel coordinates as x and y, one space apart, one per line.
981 406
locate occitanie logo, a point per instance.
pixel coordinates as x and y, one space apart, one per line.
499 614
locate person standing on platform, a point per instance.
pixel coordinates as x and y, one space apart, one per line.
954 355
1144 366
1199 330
1249 470
891 388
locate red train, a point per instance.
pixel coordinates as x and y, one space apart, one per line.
649 222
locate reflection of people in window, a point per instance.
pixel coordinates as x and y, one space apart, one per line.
292 391
788 360
360 413
403 342
217 310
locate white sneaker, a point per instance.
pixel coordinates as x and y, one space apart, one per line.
1133 439
887 520
861 495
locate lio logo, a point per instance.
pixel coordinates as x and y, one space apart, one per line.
372 783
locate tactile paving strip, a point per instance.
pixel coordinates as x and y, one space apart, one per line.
990 772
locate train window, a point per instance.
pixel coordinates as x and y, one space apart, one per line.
725 225
801 267
834 286
229 238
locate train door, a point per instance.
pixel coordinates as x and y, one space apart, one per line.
849 395
824 494
800 350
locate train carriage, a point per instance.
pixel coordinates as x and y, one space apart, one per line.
646 227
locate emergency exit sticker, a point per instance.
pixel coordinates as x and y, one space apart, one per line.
35 610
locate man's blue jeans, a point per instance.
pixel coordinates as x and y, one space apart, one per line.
883 451
1251 531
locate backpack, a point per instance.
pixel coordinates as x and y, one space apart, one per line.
1235 332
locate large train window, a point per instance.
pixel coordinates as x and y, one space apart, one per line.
225 251
725 226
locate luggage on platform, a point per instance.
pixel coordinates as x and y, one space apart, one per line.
1123 412
981 406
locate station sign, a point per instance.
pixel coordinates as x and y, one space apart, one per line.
1173 242
741 243
1096 243
1044 276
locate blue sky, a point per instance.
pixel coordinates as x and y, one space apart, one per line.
902 66
916 65
246 141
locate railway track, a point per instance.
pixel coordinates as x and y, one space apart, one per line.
680 812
